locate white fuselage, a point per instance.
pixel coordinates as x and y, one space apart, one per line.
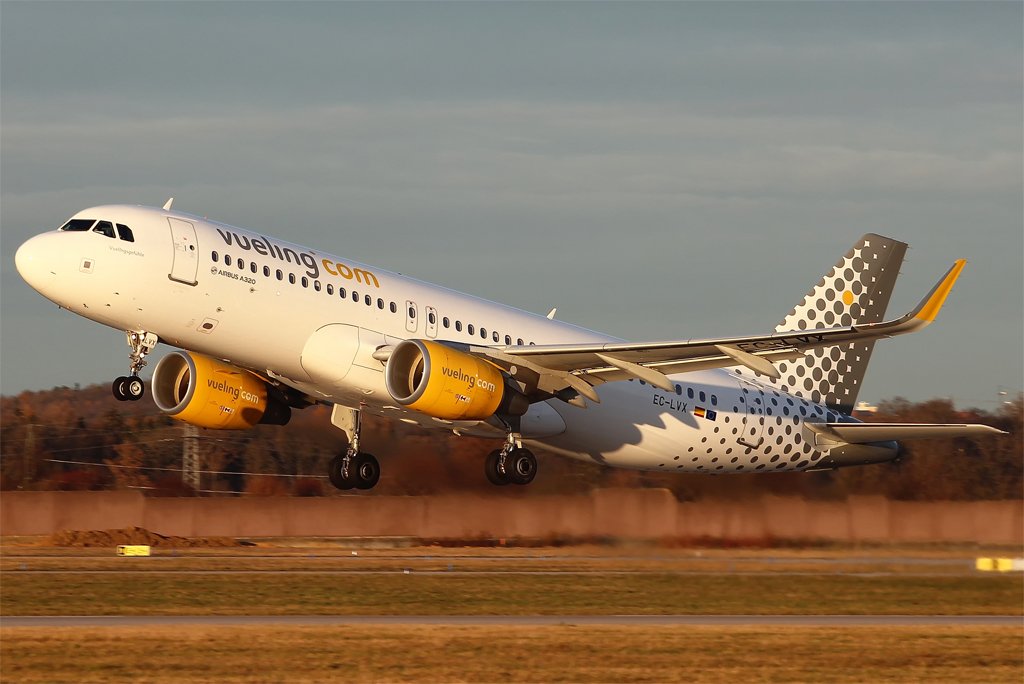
312 321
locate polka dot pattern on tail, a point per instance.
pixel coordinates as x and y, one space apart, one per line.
856 290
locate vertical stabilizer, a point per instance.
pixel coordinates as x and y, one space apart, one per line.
855 291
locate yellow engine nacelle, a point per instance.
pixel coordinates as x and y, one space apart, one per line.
443 382
212 394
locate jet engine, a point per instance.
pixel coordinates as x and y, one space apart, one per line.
444 382
212 394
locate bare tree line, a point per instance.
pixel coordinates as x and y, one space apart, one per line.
80 439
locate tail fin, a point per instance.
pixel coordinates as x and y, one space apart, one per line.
855 291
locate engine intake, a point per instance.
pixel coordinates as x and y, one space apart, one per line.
212 394
446 383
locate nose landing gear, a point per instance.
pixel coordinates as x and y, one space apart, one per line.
130 387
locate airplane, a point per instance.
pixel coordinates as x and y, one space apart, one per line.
265 327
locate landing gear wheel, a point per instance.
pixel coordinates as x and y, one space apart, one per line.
334 473
364 470
494 474
120 388
134 388
521 466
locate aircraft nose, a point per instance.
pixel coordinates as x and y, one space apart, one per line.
30 262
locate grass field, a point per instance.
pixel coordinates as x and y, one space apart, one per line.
433 581
514 654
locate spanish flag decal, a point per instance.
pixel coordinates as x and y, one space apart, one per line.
702 412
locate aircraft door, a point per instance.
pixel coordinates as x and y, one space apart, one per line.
753 420
185 264
411 314
431 322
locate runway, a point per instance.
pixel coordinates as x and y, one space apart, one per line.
90 621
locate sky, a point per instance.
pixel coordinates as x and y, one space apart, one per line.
654 170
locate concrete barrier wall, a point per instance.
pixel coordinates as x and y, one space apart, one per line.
612 513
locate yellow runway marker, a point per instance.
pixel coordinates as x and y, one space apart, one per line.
999 564
132 550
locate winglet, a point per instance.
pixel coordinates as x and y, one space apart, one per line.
929 307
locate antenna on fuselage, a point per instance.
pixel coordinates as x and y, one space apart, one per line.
551 314
167 206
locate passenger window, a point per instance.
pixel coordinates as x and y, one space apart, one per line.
689 392
494 336
305 281
470 329
241 263
227 259
125 233
78 225
380 303
280 274
368 300
702 396
330 289
342 292
266 271
355 296
458 326
431 318
252 266
316 285
215 256
508 340
393 307
104 228
519 341
445 322
412 312
291 278
483 333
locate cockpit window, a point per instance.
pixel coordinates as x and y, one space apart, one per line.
125 233
78 224
104 227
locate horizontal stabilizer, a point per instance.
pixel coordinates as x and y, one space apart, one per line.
865 433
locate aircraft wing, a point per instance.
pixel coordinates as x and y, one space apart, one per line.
556 369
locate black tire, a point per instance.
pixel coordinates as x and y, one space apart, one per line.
334 474
491 469
120 388
521 466
364 471
134 388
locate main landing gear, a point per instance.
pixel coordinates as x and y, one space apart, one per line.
352 469
512 464
130 387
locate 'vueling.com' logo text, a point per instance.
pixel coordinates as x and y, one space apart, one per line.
265 247
235 392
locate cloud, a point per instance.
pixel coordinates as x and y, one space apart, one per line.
510 150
